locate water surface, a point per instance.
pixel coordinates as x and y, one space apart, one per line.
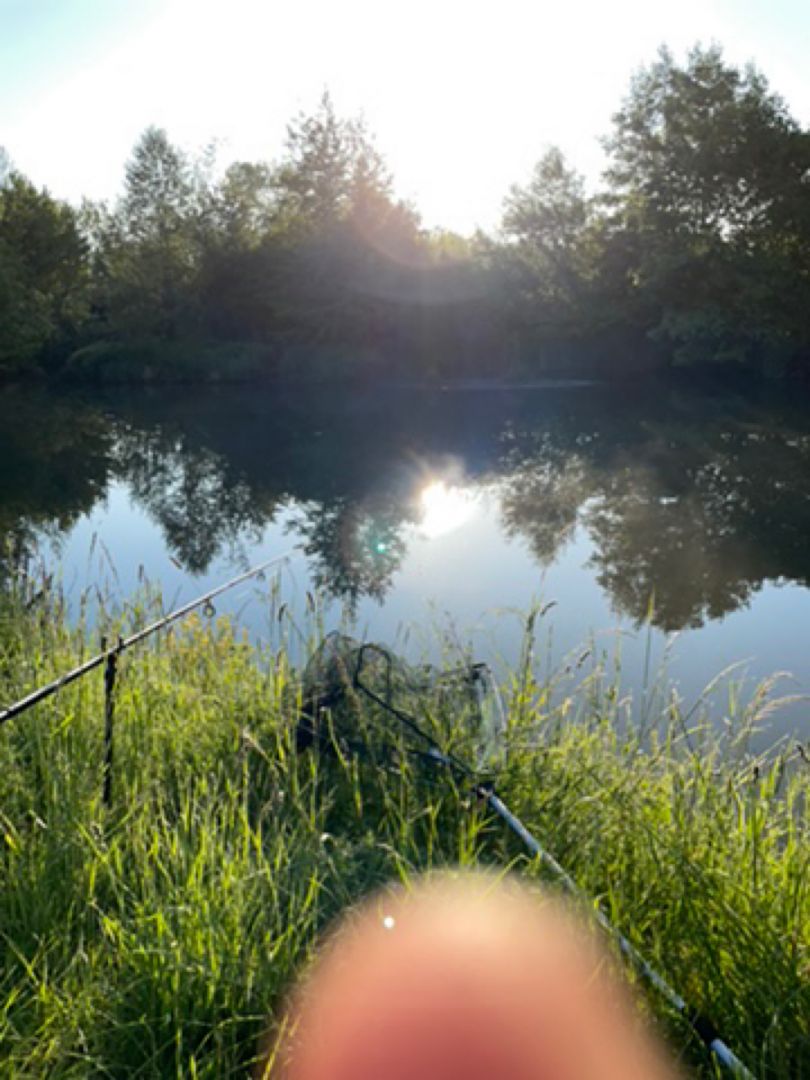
670 521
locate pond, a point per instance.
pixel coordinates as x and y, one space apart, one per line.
665 525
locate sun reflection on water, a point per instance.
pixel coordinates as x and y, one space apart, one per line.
443 509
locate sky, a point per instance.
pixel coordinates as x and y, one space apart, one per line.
463 96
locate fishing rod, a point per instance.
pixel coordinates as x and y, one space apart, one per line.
703 1028
107 655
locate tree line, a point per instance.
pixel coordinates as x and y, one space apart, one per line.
695 250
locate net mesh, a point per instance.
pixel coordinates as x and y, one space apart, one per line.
363 698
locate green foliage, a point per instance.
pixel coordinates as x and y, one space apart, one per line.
24 324
160 936
331 168
704 150
708 176
243 207
149 249
43 279
694 248
695 251
549 224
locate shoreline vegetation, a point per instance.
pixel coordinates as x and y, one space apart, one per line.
694 251
160 935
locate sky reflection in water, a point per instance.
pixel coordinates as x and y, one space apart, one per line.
454 510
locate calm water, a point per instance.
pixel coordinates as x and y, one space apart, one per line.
455 509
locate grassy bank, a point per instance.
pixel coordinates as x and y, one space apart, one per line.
158 937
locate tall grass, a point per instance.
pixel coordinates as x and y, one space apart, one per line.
158 936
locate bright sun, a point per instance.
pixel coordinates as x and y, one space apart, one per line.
443 509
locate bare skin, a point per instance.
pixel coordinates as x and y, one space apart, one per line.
465 978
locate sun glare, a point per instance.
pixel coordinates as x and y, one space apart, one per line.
443 509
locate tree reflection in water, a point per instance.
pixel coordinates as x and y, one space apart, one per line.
354 548
691 501
201 506
688 518
55 465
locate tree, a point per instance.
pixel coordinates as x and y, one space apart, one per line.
340 229
43 286
709 178
551 212
157 189
245 206
24 323
331 165
547 224
151 251
704 150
